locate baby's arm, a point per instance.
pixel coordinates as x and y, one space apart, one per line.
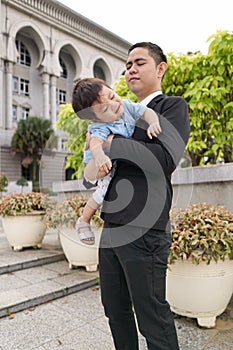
102 161
153 120
91 172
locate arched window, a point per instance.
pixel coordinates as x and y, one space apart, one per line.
24 55
98 72
64 70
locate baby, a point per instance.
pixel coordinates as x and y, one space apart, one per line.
95 100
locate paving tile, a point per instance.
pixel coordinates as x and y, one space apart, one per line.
35 274
14 298
84 338
10 281
61 267
71 279
39 289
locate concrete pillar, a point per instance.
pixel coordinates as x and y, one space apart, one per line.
53 87
8 108
2 122
45 82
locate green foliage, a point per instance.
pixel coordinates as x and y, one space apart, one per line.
205 81
202 232
3 183
30 139
76 129
23 203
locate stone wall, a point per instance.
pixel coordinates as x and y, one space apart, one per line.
211 184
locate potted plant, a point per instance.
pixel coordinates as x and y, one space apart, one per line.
62 216
23 218
200 274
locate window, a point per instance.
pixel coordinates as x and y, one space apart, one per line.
64 70
24 55
20 86
99 73
63 144
61 97
14 113
24 112
15 85
24 87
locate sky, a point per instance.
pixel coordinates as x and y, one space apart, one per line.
178 26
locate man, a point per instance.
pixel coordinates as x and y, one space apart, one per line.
136 237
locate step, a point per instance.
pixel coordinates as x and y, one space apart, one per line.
10 260
26 288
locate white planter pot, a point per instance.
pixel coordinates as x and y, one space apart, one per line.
24 231
78 253
200 291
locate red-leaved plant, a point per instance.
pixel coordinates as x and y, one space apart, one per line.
202 232
16 204
67 211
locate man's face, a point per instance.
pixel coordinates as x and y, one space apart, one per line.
142 75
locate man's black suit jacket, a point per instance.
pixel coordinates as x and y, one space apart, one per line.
140 192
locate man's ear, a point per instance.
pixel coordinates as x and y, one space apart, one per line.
161 69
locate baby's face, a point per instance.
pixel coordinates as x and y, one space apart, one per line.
110 108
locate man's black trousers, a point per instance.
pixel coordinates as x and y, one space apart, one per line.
133 282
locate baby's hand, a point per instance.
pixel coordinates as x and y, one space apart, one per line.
103 163
154 129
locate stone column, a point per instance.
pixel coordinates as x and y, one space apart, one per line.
53 86
45 82
8 105
2 88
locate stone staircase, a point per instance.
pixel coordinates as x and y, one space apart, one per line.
35 276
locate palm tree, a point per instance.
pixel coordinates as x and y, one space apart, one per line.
30 139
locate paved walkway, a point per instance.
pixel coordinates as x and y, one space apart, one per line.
77 322
61 308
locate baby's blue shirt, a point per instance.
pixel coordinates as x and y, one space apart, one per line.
124 127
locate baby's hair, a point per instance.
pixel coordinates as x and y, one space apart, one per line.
85 92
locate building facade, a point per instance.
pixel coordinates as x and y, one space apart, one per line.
44 48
